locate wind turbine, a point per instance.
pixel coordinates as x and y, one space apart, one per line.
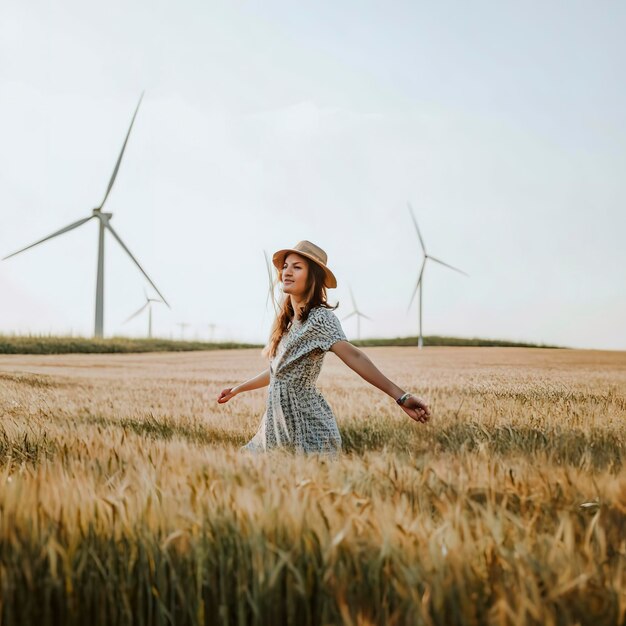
358 314
420 281
211 327
270 278
104 224
147 305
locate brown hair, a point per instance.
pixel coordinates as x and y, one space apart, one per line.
315 295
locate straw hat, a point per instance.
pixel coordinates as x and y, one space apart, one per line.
310 251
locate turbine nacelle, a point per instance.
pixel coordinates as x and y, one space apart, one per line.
98 212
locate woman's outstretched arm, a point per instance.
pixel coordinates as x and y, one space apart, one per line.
261 380
357 360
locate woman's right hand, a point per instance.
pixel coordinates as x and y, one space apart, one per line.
226 395
416 409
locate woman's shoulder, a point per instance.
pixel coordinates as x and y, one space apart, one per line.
323 316
321 312
326 326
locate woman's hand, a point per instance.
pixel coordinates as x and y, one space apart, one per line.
226 395
416 409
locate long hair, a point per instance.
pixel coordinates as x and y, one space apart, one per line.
315 295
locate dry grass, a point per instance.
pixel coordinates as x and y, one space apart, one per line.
123 498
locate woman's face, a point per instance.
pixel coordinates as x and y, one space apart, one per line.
294 274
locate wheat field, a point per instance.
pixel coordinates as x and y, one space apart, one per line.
124 499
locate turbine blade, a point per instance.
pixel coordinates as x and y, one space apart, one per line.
136 313
456 269
348 316
119 159
268 265
135 261
58 232
365 316
270 278
417 284
417 228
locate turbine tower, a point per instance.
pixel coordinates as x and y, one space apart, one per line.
147 305
104 224
358 314
420 280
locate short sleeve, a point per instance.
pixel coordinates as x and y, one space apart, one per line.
327 329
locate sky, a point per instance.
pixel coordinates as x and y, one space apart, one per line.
267 123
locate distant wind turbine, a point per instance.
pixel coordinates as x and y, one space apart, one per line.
104 219
420 280
270 279
182 325
211 327
358 314
147 305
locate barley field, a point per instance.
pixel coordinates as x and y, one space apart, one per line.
124 499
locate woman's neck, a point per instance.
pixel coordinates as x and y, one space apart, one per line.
297 305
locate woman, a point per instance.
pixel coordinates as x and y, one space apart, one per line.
297 416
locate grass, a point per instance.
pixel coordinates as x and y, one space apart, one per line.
124 499
50 344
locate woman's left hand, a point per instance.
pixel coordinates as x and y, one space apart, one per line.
416 409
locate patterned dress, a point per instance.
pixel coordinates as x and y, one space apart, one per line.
297 416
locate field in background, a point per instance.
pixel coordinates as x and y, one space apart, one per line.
122 493
50 344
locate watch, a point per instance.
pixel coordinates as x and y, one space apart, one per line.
402 399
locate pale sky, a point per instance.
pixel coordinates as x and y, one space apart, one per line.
265 123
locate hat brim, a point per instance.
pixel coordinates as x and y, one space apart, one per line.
278 259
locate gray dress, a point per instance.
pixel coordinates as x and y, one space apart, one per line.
297 417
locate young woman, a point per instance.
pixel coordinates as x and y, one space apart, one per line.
297 416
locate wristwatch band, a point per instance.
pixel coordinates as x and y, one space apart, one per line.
402 398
